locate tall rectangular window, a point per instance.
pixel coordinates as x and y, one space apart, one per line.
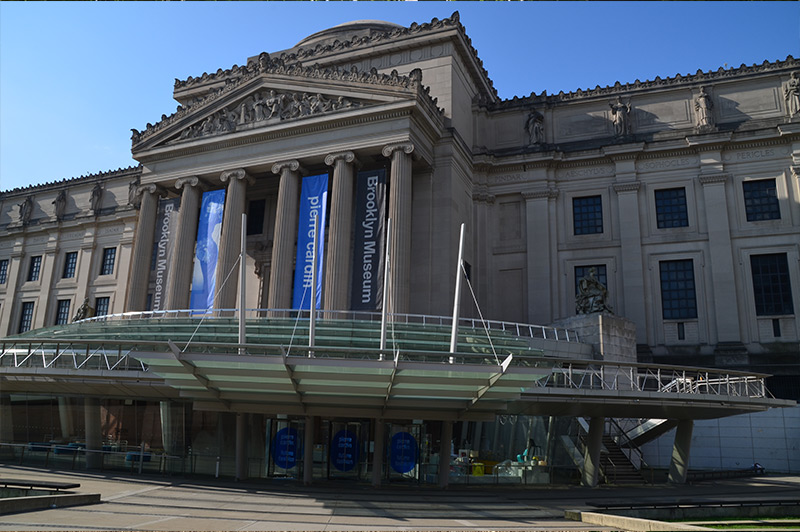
671 208
761 200
101 306
771 285
70 262
3 271
26 317
34 268
62 312
678 297
587 215
109 255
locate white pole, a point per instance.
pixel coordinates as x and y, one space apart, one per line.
242 286
457 298
313 303
385 306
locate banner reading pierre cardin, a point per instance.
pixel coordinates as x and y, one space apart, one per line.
368 254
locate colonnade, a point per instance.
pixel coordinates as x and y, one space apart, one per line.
289 172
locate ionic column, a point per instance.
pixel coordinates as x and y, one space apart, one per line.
142 249
179 283
283 240
400 213
337 268
230 240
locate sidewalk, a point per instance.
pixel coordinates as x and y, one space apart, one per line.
178 503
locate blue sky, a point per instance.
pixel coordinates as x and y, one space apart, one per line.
76 77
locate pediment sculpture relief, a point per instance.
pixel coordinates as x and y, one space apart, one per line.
266 106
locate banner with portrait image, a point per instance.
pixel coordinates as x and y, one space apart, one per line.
313 201
209 229
368 255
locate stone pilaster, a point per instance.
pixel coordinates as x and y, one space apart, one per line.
142 249
337 267
540 244
283 241
726 306
400 213
10 316
230 240
630 234
181 266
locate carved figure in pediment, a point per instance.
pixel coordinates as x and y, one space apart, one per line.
263 61
305 105
273 104
620 113
259 107
703 107
291 108
534 126
26 210
244 115
60 204
791 93
96 198
325 104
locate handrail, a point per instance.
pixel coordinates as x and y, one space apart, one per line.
524 330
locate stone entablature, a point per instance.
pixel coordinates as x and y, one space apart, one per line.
411 83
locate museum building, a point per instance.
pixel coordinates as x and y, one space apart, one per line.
650 230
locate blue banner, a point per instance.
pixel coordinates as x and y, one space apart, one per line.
313 199
403 452
368 254
209 228
286 448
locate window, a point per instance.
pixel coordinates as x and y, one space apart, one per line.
26 317
70 261
671 208
771 286
587 215
583 271
761 200
34 268
101 306
62 312
3 271
678 298
255 217
109 254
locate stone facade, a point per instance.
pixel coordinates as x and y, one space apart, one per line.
698 173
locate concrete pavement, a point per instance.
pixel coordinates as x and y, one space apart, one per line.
180 503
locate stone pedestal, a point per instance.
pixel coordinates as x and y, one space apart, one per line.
613 338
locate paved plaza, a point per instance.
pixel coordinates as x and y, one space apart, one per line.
179 503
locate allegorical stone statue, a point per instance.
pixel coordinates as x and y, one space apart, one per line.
97 196
60 204
703 107
26 210
620 113
84 311
592 295
791 93
134 198
534 127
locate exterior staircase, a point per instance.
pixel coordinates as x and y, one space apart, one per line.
615 466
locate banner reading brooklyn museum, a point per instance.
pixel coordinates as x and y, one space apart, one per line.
368 255
209 228
165 224
313 199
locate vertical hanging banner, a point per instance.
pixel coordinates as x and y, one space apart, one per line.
209 228
313 199
368 255
166 221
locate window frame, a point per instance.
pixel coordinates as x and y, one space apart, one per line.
670 216
676 313
70 269
597 216
4 263
34 269
784 287
754 207
25 317
62 312
106 300
108 261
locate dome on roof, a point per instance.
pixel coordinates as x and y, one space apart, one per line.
346 31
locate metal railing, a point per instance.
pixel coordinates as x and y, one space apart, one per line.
69 355
518 329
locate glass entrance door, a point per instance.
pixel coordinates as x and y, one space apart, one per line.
348 449
286 449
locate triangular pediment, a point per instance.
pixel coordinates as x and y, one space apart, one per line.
268 99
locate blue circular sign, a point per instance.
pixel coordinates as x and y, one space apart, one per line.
344 450
403 451
285 448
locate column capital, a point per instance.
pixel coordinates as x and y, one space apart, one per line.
238 173
389 149
795 171
150 189
346 156
292 165
620 188
712 179
191 181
